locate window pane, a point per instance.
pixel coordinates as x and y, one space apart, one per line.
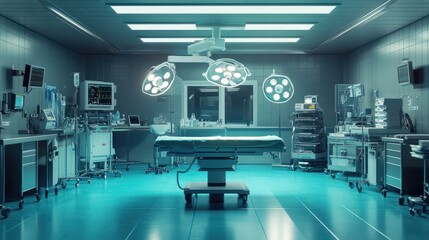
239 104
204 102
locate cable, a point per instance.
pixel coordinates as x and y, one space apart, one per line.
178 172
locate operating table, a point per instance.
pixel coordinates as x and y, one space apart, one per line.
216 155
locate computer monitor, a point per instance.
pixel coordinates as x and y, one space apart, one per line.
33 76
134 120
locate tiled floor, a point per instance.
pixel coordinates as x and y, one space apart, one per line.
282 205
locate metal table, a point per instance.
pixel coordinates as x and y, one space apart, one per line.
13 150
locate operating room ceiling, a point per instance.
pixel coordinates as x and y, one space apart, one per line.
351 24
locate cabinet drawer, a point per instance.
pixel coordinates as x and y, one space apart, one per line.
29 146
29 159
394 182
393 160
394 153
393 171
30 152
393 146
28 177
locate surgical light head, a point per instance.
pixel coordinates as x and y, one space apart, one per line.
159 79
226 72
278 88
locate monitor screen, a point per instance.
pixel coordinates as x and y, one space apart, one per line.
18 104
33 76
49 114
405 73
134 120
310 99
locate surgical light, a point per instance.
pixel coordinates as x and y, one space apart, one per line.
230 73
159 79
278 88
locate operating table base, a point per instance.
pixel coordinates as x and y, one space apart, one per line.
216 192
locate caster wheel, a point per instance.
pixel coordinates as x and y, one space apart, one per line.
147 172
419 212
359 187
384 193
5 212
21 204
308 170
351 185
89 181
56 191
188 198
412 212
104 176
38 197
401 201
156 172
63 185
77 185
326 171
167 171
293 168
244 199
333 175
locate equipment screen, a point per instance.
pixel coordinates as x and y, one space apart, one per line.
49 114
134 119
19 102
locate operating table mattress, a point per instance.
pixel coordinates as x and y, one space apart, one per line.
245 145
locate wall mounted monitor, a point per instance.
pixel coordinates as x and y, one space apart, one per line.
33 76
405 73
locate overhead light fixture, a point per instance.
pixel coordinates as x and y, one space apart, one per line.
277 26
159 79
226 72
230 40
155 27
278 88
170 40
223 9
262 40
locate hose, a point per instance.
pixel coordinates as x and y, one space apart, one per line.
178 172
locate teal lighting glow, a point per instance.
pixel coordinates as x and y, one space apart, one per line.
159 79
278 88
226 72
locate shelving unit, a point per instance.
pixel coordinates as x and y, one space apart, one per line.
308 139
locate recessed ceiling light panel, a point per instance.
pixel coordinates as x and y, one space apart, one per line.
223 9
